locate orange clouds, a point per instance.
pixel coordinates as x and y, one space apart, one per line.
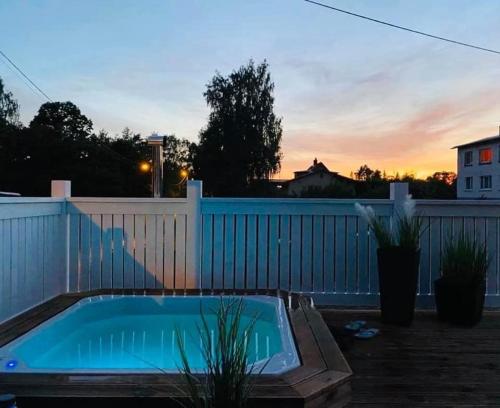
419 143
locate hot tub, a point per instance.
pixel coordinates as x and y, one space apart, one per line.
138 334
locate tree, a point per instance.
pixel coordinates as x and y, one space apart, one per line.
178 155
9 108
448 177
59 144
365 173
64 119
241 143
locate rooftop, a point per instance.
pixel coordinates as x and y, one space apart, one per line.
490 139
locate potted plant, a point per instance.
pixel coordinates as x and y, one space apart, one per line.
459 293
398 257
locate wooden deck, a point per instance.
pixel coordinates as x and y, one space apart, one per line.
431 364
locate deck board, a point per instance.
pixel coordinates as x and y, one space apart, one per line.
430 364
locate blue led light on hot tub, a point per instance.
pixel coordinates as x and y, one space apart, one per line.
11 364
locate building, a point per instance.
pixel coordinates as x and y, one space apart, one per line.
478 169
316 176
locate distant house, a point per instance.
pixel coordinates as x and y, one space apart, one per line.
478 168
316 176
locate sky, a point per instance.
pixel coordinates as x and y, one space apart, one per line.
350 92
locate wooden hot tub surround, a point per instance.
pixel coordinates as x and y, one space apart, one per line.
322 380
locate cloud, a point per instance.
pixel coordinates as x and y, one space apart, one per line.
420 142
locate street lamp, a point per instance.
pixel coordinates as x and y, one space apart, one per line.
144 167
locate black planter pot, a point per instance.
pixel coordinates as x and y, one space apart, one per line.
398 274
460 301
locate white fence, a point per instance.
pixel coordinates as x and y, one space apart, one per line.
32 252
320 247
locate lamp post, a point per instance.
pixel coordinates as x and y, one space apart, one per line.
157 143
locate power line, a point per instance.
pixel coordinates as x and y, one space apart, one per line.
4 62
403 28
24 75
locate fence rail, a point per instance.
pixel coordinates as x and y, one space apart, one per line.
315 246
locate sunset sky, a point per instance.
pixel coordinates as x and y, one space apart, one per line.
349 91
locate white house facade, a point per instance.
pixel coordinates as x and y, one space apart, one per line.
478 169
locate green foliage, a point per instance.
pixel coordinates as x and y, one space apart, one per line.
226 383
241 143
64 119
9 108
178 155
60 144
464 258
409 230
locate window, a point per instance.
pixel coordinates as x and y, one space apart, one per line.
485 182
485 156
468 159
468 183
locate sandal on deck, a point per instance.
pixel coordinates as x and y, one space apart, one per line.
366 334
355 325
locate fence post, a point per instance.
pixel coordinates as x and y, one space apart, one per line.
398 193
193 234
62 189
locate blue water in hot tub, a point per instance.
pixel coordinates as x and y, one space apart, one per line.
115 334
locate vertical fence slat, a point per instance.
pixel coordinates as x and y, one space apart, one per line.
285 246
329 253
263 252
107 251
240 268
4 271
218 251
74 245
159 245
273 261
317 254
32 272
424 270
118 251
207 248
180 252
229 255
352 254
84 282
307 254
251 249
363 257
169 256
296 253
150 251
95 251
140 245
129 254
340 254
